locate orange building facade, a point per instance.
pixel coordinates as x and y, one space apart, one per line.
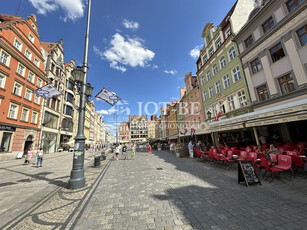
21 72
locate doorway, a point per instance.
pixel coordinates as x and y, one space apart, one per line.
28 144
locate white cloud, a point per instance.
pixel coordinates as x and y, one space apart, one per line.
130 24
155 67
122 53
73 8
107 112
173 72
195 52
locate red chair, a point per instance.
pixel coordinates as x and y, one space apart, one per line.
233 148
259 155
254 148
273 157
291 153
228 162
270 170
224 151
248 149
284 162
297 163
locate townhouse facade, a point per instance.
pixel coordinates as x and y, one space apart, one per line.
219 69
138 125
21 72
124 133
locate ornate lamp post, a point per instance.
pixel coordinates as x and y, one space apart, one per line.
209 114
77 179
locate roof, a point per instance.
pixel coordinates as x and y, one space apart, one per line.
7 19
226 19
137 117
48 46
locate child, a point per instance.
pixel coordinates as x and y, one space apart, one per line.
149 149
132 151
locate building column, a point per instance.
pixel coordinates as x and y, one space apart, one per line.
268 74
256 136
249 82
226 104
236 101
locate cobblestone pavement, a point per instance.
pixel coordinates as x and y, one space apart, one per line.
164 192
37 198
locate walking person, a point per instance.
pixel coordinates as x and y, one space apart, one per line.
117 149
149 149
29 155
40 157
132 150
190 147
124 153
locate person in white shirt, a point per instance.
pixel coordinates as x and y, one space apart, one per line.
117 150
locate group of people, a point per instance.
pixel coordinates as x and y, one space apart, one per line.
39 155
122 149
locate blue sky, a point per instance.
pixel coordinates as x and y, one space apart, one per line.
139 49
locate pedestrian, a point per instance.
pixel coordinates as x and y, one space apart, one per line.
149 149
124 153
172 148
40 157
117 149
29 155
132 150
190 147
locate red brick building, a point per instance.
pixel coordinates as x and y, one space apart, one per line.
21 72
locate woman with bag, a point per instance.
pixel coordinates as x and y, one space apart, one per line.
29 155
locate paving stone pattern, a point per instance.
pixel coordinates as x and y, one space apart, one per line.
188 194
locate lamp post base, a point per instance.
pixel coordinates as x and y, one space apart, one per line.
77 179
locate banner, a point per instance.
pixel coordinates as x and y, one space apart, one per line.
47 91
108 96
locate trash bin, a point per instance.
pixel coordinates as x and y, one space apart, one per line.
178 152
97 161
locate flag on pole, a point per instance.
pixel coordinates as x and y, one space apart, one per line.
47 91
108 96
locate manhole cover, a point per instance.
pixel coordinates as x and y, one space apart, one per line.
159 168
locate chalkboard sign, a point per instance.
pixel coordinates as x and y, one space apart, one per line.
247 173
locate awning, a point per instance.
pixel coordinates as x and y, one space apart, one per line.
239 125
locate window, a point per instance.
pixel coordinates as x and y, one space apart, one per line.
286 84
2 81
13 111
39 82
228 33
211 52
292 4
17 44
236 74
31 38
208 75
205 59
249 41
21 69
36 62
226 81
263 93
268 24
205 95
242 98
70 86
203 80
17 89
218 43
31 77
4 58
302 35
28 54
222 62
214 110
277 52
69 110
24 114
256 66
70 97
232 53
28 95
218 86
34 117
211 92
5 142
36 99
215 69
231 103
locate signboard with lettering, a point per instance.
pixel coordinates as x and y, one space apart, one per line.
247 173
7 128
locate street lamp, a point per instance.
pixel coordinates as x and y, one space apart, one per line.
77 179
209 114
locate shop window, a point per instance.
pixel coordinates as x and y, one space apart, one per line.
223 62
302 35
256 66
268 24
249 41
263 92
242 98
4 58
286 84
277 52
292 4
232 53
5 142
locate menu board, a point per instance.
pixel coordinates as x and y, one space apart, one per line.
247 173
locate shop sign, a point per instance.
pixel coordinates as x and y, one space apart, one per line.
7 128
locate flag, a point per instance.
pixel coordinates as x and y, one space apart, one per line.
47 91
108 96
